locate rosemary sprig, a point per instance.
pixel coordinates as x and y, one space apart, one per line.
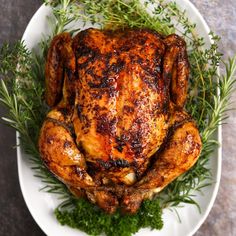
221 102
22 88
21 91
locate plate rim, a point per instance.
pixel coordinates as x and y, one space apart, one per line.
218 132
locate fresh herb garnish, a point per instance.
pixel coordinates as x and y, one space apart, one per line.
22 89
92 220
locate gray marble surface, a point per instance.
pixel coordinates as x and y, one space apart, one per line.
221 17
15 218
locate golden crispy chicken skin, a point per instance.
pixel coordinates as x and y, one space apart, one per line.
117 132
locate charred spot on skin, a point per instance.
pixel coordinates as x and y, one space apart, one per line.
91 71
140 129
71 97
104 82
98 109
57 94
105 125
120 144
143 40
167 76
92 168
150 81
90 54
125 48
111 92
81 50
70 74
96 94
140 60
87 123
50 139
128 109
67 144
136 143
138 170
108 56
119 163
158 110
166 106
104 164
117 67
125 137
64 111
56 60
136 102
119 148
139 121
157 70
79 112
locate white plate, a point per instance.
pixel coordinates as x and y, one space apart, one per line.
41 204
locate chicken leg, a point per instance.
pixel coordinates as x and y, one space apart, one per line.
179 154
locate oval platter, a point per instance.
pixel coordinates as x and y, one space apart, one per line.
41 205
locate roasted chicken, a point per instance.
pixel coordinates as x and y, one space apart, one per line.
117 132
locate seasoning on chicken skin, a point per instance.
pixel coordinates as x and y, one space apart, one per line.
117 131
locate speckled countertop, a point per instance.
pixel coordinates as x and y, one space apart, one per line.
16 220
221 17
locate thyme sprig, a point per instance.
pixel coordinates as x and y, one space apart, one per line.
22 89
64 13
